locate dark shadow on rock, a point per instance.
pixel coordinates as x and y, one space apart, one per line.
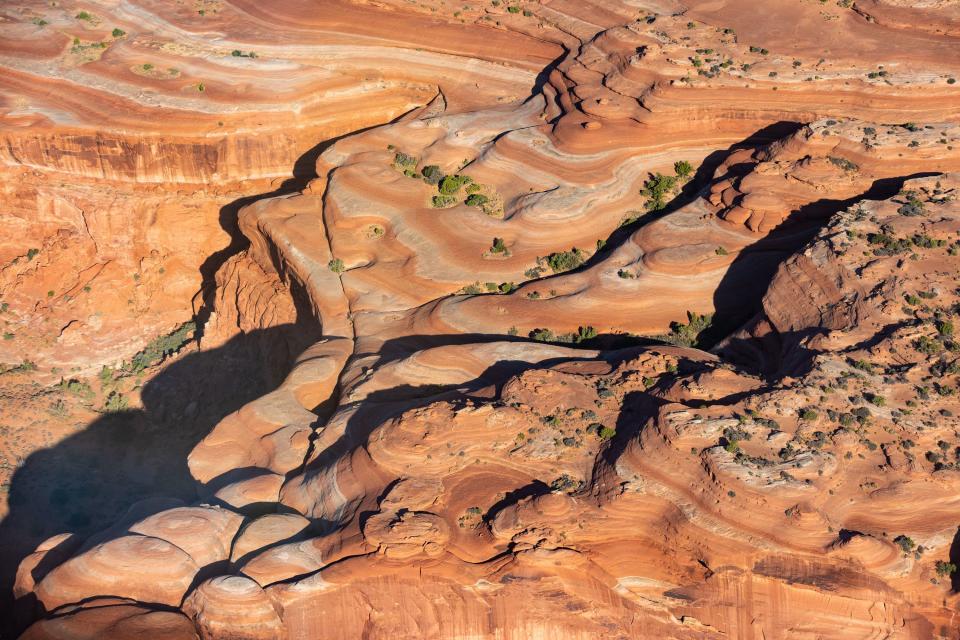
738 298
635 412
304 170
87 481
955 560
383 404
690 191
531 490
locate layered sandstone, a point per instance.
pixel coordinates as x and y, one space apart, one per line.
495 430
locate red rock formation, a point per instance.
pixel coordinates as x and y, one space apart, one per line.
424 469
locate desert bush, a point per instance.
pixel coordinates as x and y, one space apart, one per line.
656 189
402 161
441 201
913 206
161 347
542 335
687 335
683 169
452 184
905 543
566 260
115 401
432 174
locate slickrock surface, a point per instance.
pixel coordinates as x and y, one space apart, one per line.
625 320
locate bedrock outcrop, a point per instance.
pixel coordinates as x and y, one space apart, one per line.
641 326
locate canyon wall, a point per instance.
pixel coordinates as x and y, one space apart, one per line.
626 320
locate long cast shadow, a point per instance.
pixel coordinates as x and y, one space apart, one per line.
304 170
85 482
738 298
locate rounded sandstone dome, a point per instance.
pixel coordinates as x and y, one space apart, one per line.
138 567
266 531
203 532
117 622
233 607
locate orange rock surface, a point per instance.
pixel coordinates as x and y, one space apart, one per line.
509 320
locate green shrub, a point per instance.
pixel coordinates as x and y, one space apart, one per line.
32 253
513 9
905 543
452 184
115 401
945 568
808 414
542 335
585 333
472 289
688 335
656 189
913 206
402 161
78 388
439 202
105 376
159 348
118 33
927 346
336 265
606 433
498 246
683 169
24 367
83 15
476 200
566 260
945 327
843 163
432 174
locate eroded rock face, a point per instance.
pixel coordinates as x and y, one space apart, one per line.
140 568
426 470
235 607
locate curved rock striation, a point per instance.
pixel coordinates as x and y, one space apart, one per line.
507 424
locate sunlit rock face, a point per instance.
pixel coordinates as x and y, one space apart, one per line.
605 320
